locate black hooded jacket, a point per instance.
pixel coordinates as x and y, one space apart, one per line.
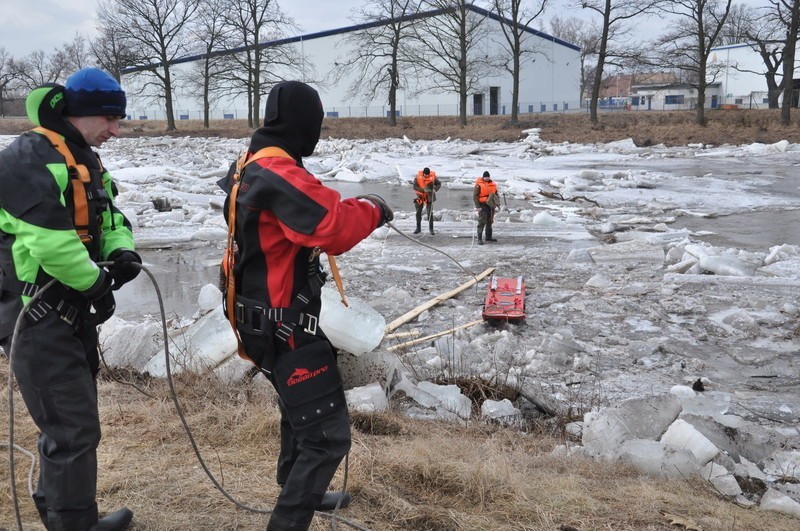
292 121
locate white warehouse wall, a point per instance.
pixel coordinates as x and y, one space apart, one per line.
549 80
749 87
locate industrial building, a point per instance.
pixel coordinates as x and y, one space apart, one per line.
549 79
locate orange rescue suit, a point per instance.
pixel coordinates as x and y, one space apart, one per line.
422 182
486 189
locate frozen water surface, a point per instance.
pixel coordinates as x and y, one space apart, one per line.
619 303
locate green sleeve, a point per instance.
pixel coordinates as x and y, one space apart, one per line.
59 253
116 228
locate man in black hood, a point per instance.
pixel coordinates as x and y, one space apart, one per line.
280 219
292 121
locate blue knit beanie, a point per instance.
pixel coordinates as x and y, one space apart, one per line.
92 92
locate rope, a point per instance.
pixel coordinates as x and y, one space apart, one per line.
404 235
333 516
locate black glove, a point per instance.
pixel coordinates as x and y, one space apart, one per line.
103 302
386 212
124 269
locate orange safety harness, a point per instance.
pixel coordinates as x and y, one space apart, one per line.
229 259
80 178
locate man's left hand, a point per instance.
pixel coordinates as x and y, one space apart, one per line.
125 268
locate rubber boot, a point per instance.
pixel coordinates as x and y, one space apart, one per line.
430 226
489 234
480 236
330 499
419 229
116 521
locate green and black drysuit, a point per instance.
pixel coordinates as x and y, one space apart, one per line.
56 357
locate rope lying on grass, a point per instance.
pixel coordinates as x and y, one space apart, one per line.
333 516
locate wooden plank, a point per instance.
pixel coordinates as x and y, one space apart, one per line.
432 336
399 335
433 302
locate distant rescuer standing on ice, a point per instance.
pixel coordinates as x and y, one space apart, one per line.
426 185
282 218
57 220
484 196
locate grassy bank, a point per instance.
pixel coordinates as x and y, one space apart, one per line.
737 126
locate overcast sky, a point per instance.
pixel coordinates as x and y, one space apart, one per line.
54 23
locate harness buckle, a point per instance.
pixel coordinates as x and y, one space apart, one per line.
310 324
67 312
239 312
255 316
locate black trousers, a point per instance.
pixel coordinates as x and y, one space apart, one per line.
309 454
55 365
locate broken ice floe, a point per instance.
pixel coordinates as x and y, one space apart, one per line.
660 435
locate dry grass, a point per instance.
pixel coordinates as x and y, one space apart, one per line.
404 474
645 128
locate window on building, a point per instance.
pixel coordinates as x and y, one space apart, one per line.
674 99
738 101
764 100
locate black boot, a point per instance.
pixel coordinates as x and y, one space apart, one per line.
330 499
116 521
418 230
489 235
480 240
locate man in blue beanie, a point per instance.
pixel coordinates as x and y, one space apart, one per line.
57 221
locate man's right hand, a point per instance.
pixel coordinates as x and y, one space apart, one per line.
103 302
386 212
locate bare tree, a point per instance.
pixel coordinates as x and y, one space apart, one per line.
111 53
155 32
764 34
7 79
586 35
688 43
738 25
211 34
447 50
36 69
76 54
613 43
377 57
788 13
253 24
515 18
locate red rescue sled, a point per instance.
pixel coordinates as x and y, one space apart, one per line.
505 300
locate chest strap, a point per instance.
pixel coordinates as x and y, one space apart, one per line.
229 259
80 178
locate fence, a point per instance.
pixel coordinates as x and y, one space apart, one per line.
375 111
